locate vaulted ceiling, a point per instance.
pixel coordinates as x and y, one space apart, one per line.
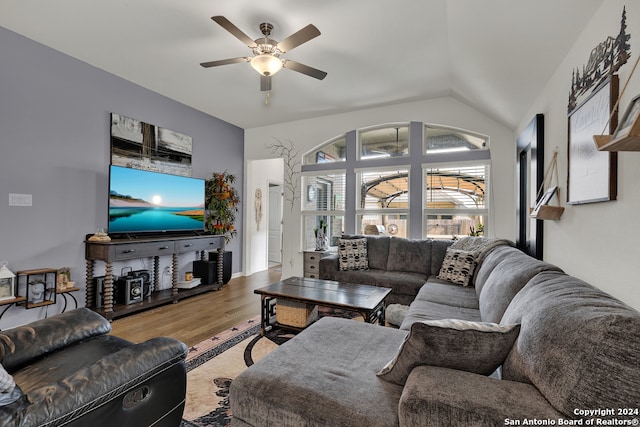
495 55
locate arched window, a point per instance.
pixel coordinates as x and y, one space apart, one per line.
412 180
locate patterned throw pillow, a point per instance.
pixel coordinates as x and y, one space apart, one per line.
352 254
9 392
458 267
476 347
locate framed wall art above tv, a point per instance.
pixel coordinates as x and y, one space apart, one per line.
139 145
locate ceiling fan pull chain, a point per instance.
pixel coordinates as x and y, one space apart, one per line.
266 98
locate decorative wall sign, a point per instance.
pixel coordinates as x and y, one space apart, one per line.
257 204
530 172
592 174
604 60
139 145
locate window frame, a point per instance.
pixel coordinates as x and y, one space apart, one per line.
484 212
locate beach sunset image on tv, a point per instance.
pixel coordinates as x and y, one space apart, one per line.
144 201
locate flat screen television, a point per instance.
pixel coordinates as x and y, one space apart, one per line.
142 201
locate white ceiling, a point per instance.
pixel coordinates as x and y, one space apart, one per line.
496 55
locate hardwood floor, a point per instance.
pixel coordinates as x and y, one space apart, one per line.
195 319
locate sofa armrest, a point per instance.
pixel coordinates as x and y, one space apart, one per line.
107 379
20 345
434 396
329 265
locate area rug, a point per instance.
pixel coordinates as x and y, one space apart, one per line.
214 363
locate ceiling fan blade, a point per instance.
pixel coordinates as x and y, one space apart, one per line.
304 69
225 61
237 32
265 83
296 39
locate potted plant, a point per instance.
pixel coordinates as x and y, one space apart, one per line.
222 203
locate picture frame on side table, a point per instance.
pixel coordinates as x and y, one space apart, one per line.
592 174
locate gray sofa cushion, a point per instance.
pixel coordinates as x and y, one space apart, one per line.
444 292
438 252
413 256
506 280
325 376
488 264
361 277
575 342
427 310
436 397
402 283
378 250
456 344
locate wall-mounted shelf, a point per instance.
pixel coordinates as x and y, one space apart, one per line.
629 143
626 137
40 286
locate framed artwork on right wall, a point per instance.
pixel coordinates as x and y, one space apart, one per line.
592 174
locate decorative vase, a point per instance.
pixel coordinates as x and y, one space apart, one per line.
321 243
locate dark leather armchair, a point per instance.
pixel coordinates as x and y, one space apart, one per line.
72 373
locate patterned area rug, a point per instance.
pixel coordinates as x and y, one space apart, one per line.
215 362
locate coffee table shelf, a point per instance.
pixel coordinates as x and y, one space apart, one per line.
367 300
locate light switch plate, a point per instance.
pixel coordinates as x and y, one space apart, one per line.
20 199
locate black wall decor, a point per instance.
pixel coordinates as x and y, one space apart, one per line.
604 60
530 171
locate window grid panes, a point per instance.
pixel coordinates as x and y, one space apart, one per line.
439 139
384 142
383 206
323 199
332 151
455 199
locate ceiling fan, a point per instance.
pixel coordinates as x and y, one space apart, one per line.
266 51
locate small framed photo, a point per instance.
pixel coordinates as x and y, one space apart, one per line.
629 121
7 288
544 200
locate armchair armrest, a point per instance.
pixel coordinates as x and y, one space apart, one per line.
329 265
434 396
20 345
126 375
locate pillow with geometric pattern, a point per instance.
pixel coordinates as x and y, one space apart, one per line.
458 267
352 254
477 347
9 391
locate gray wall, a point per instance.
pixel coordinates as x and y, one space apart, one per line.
54 144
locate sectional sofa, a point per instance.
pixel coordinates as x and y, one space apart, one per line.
522 343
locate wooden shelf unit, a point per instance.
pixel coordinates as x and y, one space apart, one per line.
49 286
116 250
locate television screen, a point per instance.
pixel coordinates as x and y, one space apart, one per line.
144 201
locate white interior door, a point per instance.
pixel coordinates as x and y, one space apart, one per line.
275 223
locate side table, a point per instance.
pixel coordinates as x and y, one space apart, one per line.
311 266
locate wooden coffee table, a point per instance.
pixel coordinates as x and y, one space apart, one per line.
367 300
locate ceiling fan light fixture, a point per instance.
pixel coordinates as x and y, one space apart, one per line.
266 64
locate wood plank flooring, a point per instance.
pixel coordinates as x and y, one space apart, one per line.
195 319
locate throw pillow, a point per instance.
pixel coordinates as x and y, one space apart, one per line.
352 254
455 344
9 392
458 267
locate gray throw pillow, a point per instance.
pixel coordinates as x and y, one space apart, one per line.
458 266
352 254
476 347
